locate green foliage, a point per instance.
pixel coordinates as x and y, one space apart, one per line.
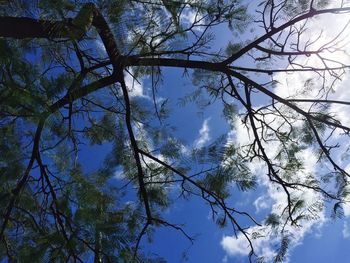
173 7
101 130
232 48
338 211
171 149
55 86
115 9
230 113
283 249
272 220
217 183
66 209
298 6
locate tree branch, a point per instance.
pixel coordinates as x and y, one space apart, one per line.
276 30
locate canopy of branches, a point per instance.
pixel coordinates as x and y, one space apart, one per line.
76 75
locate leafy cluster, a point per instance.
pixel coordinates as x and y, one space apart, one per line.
65 92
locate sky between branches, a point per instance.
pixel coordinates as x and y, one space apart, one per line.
266 199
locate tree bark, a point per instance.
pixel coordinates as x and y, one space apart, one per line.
24 27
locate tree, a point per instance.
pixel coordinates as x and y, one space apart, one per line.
63 71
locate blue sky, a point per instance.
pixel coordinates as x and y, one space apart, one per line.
324 240
324 243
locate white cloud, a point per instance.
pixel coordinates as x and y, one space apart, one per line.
261 203
204 134
269 239
134 87
119 173
275 199
240 246
346 208
346 230
185 150
190 17
292 85
235 246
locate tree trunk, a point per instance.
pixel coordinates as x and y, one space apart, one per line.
24 27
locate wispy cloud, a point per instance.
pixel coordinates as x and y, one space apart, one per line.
240 247
190 17
346 230
135 88
119 173
204 134
273 199
261 203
